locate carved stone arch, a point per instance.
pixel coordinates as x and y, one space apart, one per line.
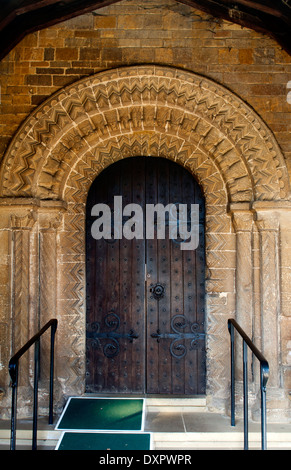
154 144
150 105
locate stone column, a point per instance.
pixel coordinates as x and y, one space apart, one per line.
49 220
268 226
21 280
28 294
285 310
274 226
242 218
17 234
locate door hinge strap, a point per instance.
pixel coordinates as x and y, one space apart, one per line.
177 349
194 336
111 348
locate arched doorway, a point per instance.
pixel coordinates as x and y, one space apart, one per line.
144 110
145 292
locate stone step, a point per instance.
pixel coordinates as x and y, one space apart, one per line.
172 441
25 444
218 441
43 434
189 405
47 436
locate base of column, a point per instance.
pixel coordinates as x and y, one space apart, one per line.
278 406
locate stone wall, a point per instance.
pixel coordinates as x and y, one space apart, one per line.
230 131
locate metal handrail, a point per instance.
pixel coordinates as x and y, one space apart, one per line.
13 371
264 376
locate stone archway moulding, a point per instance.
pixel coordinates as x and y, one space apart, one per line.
145 110
134 111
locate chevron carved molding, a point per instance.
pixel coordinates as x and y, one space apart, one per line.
145 110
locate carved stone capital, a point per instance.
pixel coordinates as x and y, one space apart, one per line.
267 221
50 221
23 213
23 222
242 217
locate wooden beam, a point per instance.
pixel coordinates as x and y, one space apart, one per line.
272 25
267 6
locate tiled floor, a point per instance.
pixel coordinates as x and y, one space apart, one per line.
202 422
182 430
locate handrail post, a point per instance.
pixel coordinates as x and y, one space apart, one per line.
245 386
232 373
51 394
14 383
35 394
264 379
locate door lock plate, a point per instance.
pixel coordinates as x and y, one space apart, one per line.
158 291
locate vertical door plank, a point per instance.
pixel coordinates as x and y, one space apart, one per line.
163 278
124 277
152 351
96 298
112 364
177 282
137 281
190 272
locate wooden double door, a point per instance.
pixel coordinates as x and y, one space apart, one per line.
145 296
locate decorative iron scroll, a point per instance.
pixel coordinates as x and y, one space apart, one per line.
111 348
178 324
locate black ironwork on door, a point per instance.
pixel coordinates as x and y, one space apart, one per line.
145 294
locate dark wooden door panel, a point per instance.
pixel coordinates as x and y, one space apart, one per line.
131 275
151 270
115 293
179 359
145 297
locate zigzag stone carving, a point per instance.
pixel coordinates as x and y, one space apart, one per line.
145 110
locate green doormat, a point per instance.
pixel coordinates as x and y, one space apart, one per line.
104 441
102 414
